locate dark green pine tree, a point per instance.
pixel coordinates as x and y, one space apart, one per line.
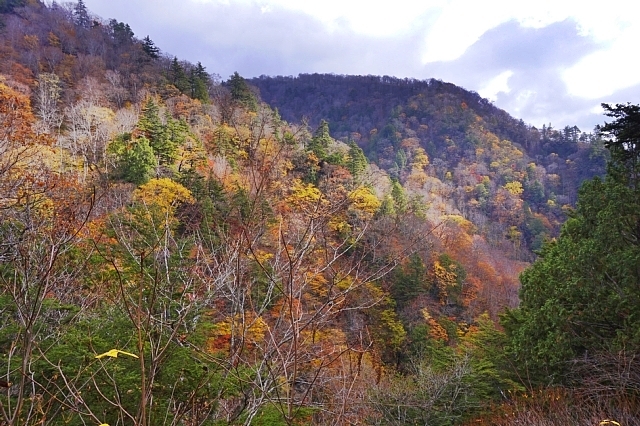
150 48
357 161
400 200
241 93
200 82
81 15
135 159
581 298
121 32
157 133
409 281
178 77
320 141
624 142
138 162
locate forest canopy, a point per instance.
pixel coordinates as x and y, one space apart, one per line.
178 249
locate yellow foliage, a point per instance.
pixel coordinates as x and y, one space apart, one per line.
251 327
443 280
514 188
337 224
425 314
466 225
345 284
163 193
261 256
436 331
319 284
303 195
420 159
364 200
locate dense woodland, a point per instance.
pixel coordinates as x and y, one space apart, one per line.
180 250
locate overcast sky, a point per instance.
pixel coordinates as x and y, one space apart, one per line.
545 61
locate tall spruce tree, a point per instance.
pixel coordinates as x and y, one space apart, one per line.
160 138
241 93
150 48
582 296
178 77
81 15
357 162
321 140
200 82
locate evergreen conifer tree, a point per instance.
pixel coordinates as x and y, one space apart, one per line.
200 83
582 296
241 93
150 48
81 15
321 140
178 77
357 161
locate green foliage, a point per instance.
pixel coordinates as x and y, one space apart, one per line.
409 281
149 47
149 122
582 295
386 328
387 207
184 376
321 140
241 93
357 162
178 76
135 159
400 199
81 15
271 415
493 375
431 395
624 144
199 81
121 32
164 138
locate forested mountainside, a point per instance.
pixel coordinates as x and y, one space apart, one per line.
507 178
172 251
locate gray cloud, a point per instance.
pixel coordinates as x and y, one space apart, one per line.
537 58
237 37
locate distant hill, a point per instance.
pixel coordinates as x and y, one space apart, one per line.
477 152
360 103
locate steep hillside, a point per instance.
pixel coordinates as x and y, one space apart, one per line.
511 180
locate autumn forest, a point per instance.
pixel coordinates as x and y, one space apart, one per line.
178 248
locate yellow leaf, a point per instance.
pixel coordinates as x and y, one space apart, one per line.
113 353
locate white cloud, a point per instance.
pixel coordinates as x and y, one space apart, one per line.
499 84
541 60
609 69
